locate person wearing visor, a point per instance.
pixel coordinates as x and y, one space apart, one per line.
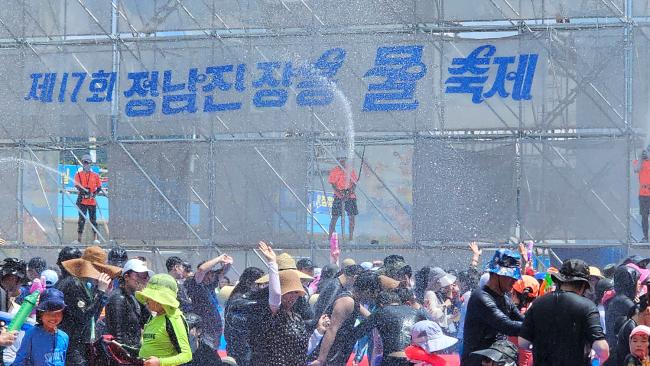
564 326
491 314
500 353
88 186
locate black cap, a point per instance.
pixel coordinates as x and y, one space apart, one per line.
117 256
573 270
500 351
603 285
639 260
608 270
304 263
68 253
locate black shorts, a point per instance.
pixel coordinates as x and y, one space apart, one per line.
644 205
350 206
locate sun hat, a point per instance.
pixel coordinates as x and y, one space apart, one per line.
595 272
161 288
91 264
639 260
609 269
441 278
643 273
388 283
348 262
304 263
506 262
51 300
117 256
13 266
313 298
349 272
640 329
366 265
527 285
500 351
285 263
572 270
289 282
224 294
429 336
51 278
138 266
86 158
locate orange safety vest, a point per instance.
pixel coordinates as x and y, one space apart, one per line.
90 181
644 178
338 179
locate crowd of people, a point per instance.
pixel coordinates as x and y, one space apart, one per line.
99 308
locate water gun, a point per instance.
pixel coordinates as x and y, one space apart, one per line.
25 309
335 251
38 285
547 284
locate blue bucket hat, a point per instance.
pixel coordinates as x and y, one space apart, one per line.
51 300
506 263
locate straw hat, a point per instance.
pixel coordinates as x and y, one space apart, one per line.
388 283
289 282
162 288
348 262
91 264
285 263
313 298
224 294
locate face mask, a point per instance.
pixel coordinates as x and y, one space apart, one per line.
86 168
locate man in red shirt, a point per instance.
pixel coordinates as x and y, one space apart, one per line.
88 184
344 184
643 169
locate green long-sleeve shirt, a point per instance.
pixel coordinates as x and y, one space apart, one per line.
156 341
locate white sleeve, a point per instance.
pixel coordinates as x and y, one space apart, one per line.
275 296
314 341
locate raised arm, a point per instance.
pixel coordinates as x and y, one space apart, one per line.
275 293
224 259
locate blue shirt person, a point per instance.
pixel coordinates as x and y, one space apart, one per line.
44 344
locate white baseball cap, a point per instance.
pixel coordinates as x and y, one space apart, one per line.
429 336
136 265
51 278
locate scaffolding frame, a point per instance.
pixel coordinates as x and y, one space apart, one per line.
123 41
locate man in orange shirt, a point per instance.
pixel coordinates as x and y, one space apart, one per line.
344 185
88 184
643 169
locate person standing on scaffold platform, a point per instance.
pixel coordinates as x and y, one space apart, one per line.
642 168
344 197
89 185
